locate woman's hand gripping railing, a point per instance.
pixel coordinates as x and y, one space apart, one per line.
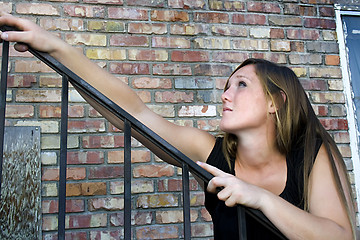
131 127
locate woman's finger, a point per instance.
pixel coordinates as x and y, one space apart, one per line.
211 169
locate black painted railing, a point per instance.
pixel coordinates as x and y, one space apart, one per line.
131 127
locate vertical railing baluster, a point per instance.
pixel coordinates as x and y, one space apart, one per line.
241 222
127 179
63 158
186 201
3 85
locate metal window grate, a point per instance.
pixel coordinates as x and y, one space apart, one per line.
131 127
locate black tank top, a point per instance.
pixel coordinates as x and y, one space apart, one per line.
225 218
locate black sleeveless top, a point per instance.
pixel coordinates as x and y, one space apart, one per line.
225 218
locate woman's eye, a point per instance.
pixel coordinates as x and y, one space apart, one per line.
242 84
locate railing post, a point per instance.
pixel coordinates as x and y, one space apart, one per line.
3 86
241 222
63 158
127 179
186 201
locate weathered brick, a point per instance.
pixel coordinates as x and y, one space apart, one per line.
163 110
48 158
84 11
106 172
157 232
106 54
86 126
209 125
188 29
129 40
235 57
147 28
175 185
53 142
6 7
112 2
197 111
170 42
277 33
291 9
336 85
249 19
194 83
201 230
137 218
103 141
190 56
72 205
63 24
138 156
280 45
89 157
37 9
321 110
325 72
205 96
148 55
326 11
263 7
109 234
52 174
174 97
19 111
285 21
334 124
50 81
212 43
187 4
38 96
327 97
92 188
172 69
127 13
205 215
31 67
251 44
239 31
211 17
260 32
49 190
273 57
308 10
303 34
174 216
153 3
323 47
157 200
305 59
297 46
137 186
20 81
212 70
341 137
333 60
169 16
227 5
109 204
86 39
129 68
319 23
153 170
314 84
300 71
86 221
146 82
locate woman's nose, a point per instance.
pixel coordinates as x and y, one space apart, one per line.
225 96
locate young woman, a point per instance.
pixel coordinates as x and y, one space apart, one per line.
274 156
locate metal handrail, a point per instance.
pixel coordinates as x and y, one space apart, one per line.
132 127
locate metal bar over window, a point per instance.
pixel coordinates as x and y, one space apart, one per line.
132 127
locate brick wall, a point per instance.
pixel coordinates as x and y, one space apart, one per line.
176 55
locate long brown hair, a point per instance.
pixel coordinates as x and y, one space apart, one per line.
297 126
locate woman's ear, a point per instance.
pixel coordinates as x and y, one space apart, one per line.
273 107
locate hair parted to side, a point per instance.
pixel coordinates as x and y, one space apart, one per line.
296 126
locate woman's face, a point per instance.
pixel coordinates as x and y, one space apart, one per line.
245 105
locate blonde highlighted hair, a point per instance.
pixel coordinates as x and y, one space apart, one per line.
296 126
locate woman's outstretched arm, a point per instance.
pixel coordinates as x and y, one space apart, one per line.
194 143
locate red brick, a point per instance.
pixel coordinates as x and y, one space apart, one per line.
297 46
51 24
172 69
314 84
38 96
169 16
109 204
106 172
277 33
24 66
212 70
128 13
129 40
188 29
20 80
93 188
87 221
263 7
209 125
84 11
291 9
19 111
207 17
333 60
112 2
68 236
303 34
72 205
334 124
251 19
326 11
307 11
170 42
147 28
273 57
190 56
285 20
106 234
90 157
129 68
319 23
157 232
52 174
153 170
174 97
86 126
236 6
148 55
147 3
175 185
103 141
